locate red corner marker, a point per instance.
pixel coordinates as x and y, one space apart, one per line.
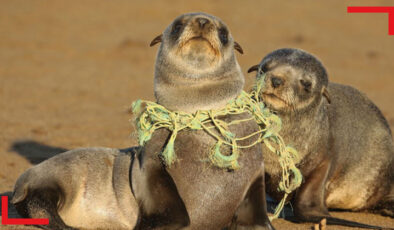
17 221
376 9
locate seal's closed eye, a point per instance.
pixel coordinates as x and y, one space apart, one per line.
307 85
223 36
176 28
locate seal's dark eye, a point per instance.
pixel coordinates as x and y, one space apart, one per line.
176 28
223 35
307 85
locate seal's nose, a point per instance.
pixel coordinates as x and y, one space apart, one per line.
202 22
276 82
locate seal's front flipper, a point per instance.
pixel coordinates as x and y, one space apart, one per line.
252 213
309 199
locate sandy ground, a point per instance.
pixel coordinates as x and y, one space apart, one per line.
69 70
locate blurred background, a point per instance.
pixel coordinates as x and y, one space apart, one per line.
69 70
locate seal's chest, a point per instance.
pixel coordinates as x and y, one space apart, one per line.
205 186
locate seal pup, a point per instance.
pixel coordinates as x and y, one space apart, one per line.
80 189
344 142
196 69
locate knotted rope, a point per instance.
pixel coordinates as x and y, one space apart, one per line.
153 116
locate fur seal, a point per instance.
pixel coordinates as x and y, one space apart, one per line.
84 188
196 69
344 142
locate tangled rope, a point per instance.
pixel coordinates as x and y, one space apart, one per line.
151 116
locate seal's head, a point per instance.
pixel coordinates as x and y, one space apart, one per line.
196 66
295 81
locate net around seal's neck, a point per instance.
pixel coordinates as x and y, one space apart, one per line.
152 116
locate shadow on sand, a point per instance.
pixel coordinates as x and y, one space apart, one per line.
35 152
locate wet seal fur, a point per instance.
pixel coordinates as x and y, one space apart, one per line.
196 69
344 142
84 188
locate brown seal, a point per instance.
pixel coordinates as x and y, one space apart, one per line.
196 69
84 188
344 142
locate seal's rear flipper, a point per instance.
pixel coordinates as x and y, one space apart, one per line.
385 208
336 221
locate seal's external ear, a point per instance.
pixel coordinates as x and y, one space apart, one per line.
253 68
326 94
238 47
156 40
